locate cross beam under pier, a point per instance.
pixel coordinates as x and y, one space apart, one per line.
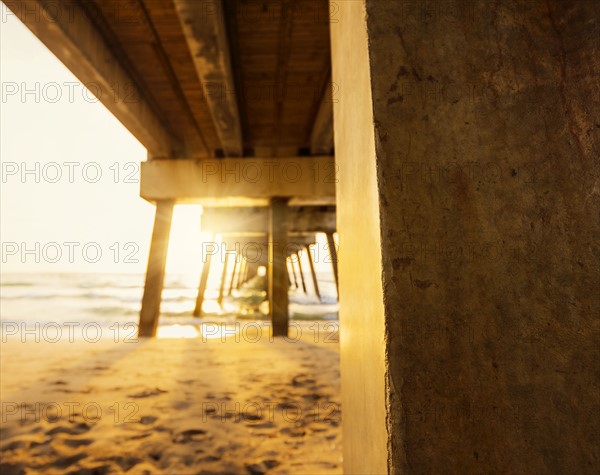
240 181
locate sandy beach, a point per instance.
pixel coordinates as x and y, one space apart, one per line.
234 403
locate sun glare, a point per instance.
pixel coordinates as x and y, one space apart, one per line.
185 245
177 331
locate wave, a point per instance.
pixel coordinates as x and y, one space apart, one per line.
17 284
117 297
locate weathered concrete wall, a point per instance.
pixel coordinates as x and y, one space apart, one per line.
487 136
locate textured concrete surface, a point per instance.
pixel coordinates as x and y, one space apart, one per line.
486 121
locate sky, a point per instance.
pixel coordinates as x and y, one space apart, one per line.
70 173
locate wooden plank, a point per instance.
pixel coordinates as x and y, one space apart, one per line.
204 28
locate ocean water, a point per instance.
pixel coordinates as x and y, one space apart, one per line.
116 298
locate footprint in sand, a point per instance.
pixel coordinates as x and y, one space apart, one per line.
302 380
319 429
178 405
287 405
140 436
261 425
77 429
125 462
14 445
12 468
148 393
251 417
293 432
43 450
189 436
262 467
147 420
98 470
312 396
81 391
77 442
45 442
65 462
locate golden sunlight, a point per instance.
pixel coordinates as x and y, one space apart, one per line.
185 245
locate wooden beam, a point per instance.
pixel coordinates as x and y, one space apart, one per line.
298 242
253 221
155 273
233 273
223 275
250 220
295 279
240 181
204 28
278 290
334 259
202 285
313 273
241 273
321 137
312 219
255 249
72 37
301 272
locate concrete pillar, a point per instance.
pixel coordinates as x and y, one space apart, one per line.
301 273
223 276
313 273
233 273
293 273
278 290
203 282
242 273
246 271
155 273
333 255
468 315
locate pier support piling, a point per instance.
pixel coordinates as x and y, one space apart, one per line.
202 285
233 273
295 279
223 275
155 273
334 260
242 273
313 273
301 272
278 290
